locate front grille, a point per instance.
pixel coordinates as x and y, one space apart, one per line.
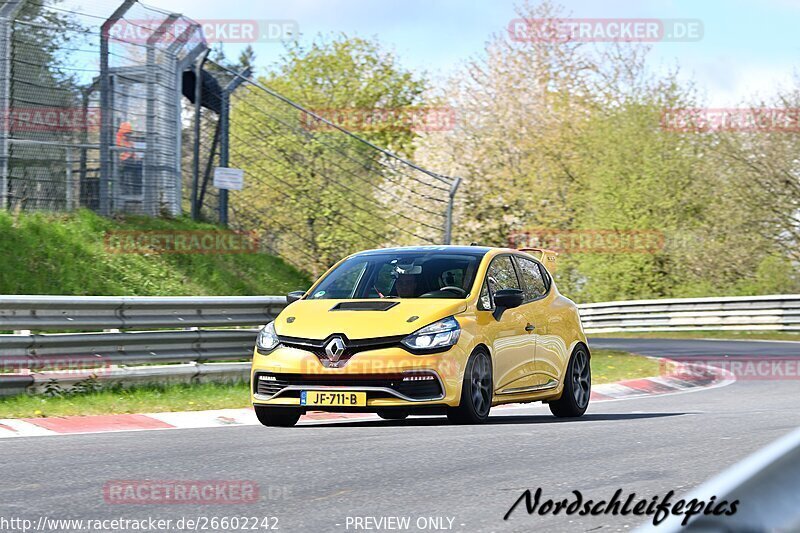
416 390
351 347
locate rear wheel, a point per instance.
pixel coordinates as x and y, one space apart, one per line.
577 387
277 416
476 391
392 414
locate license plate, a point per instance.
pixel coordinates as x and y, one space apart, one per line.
333 398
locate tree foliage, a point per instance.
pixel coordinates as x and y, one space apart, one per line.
557 136
321 192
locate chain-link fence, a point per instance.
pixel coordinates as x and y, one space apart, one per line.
315 190
91 106
119 110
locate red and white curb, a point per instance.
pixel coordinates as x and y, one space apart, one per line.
684 380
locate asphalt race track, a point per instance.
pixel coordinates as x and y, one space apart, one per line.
313 477
699 347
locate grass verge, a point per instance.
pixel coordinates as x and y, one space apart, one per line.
607 366
66 254
118 400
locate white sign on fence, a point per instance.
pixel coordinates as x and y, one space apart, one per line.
229 178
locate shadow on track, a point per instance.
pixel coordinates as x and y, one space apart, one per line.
496 419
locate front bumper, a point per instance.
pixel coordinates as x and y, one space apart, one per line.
391 377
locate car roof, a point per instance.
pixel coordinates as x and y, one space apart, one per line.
477 251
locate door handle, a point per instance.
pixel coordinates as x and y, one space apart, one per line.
530 327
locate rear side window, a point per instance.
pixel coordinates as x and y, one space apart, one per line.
548 281
533 280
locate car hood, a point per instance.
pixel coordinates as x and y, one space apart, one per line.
362 319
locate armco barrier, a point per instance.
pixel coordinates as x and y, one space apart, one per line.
183 351
90 313
740 313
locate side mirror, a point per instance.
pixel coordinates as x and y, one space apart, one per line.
294 296
507 299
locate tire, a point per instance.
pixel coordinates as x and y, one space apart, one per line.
477 391
577 386
392 414
277 416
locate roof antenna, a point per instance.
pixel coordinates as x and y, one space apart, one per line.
473 244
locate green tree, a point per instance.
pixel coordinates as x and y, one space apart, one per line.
319 192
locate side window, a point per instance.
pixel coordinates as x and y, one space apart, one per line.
485 301
546 276
532 279
501 275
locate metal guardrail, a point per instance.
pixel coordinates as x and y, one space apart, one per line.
29 361
128 312
196 352
129 348
739 313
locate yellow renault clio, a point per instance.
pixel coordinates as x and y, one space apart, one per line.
437 329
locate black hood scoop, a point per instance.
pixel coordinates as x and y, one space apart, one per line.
377 305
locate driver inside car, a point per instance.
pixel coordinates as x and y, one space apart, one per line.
406 286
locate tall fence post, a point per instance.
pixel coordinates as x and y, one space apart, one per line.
224 146
8 12
198 116
106 112
152 156
448 221
181 64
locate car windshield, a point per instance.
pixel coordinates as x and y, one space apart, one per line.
400 275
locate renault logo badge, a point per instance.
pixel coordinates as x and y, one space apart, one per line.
334 348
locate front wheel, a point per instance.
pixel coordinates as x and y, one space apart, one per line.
277 416
577 387
476 391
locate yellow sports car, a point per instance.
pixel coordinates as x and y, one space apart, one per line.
424 330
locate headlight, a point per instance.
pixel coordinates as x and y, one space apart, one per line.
441 334
267 339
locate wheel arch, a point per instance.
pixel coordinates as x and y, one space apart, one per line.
585 346
482 347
